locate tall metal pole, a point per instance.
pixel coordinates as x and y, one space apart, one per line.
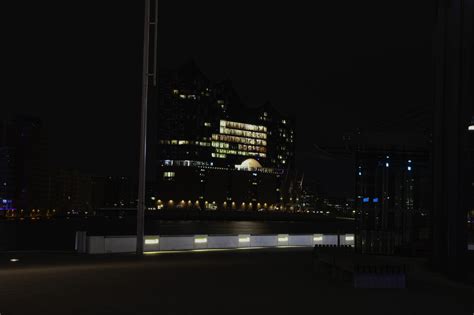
143 134
453 106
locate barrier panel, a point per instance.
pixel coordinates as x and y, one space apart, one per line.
96 245
123 244
301 240
224 242
153 243
176 242
264 241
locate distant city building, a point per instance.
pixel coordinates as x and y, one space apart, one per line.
212 152
113 192
393 189
72 191
7 178
393 199
23 165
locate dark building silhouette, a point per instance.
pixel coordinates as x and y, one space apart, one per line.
393 190
213 152
72 191
23 163
113 192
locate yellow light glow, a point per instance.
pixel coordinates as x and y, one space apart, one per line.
318 238
203 250
154 241
200 240
349 238
471 128
282 238
245 239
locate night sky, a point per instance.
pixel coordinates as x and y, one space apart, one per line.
337 65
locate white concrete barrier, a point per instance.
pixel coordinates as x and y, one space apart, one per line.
300 240
244 240
96 245
176 242
223 242
329 239
264 240
122 244
153 243
200 242
348 239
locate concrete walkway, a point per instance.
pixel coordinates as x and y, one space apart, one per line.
276 281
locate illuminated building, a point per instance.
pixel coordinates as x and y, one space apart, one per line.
208 147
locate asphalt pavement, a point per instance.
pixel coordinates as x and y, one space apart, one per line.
258 281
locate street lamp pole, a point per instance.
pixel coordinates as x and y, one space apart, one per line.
141 204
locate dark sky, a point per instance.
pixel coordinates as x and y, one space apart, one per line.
336 65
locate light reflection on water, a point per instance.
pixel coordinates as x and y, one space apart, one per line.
246 227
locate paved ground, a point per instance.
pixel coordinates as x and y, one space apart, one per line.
278 281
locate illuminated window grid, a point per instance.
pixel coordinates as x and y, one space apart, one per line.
242 126
243 133
186 142
219 155
222 145
236 139
254 148
242 153
241 147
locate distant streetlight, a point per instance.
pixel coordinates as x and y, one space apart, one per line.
471 127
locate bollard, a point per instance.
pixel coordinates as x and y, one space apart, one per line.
81 242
